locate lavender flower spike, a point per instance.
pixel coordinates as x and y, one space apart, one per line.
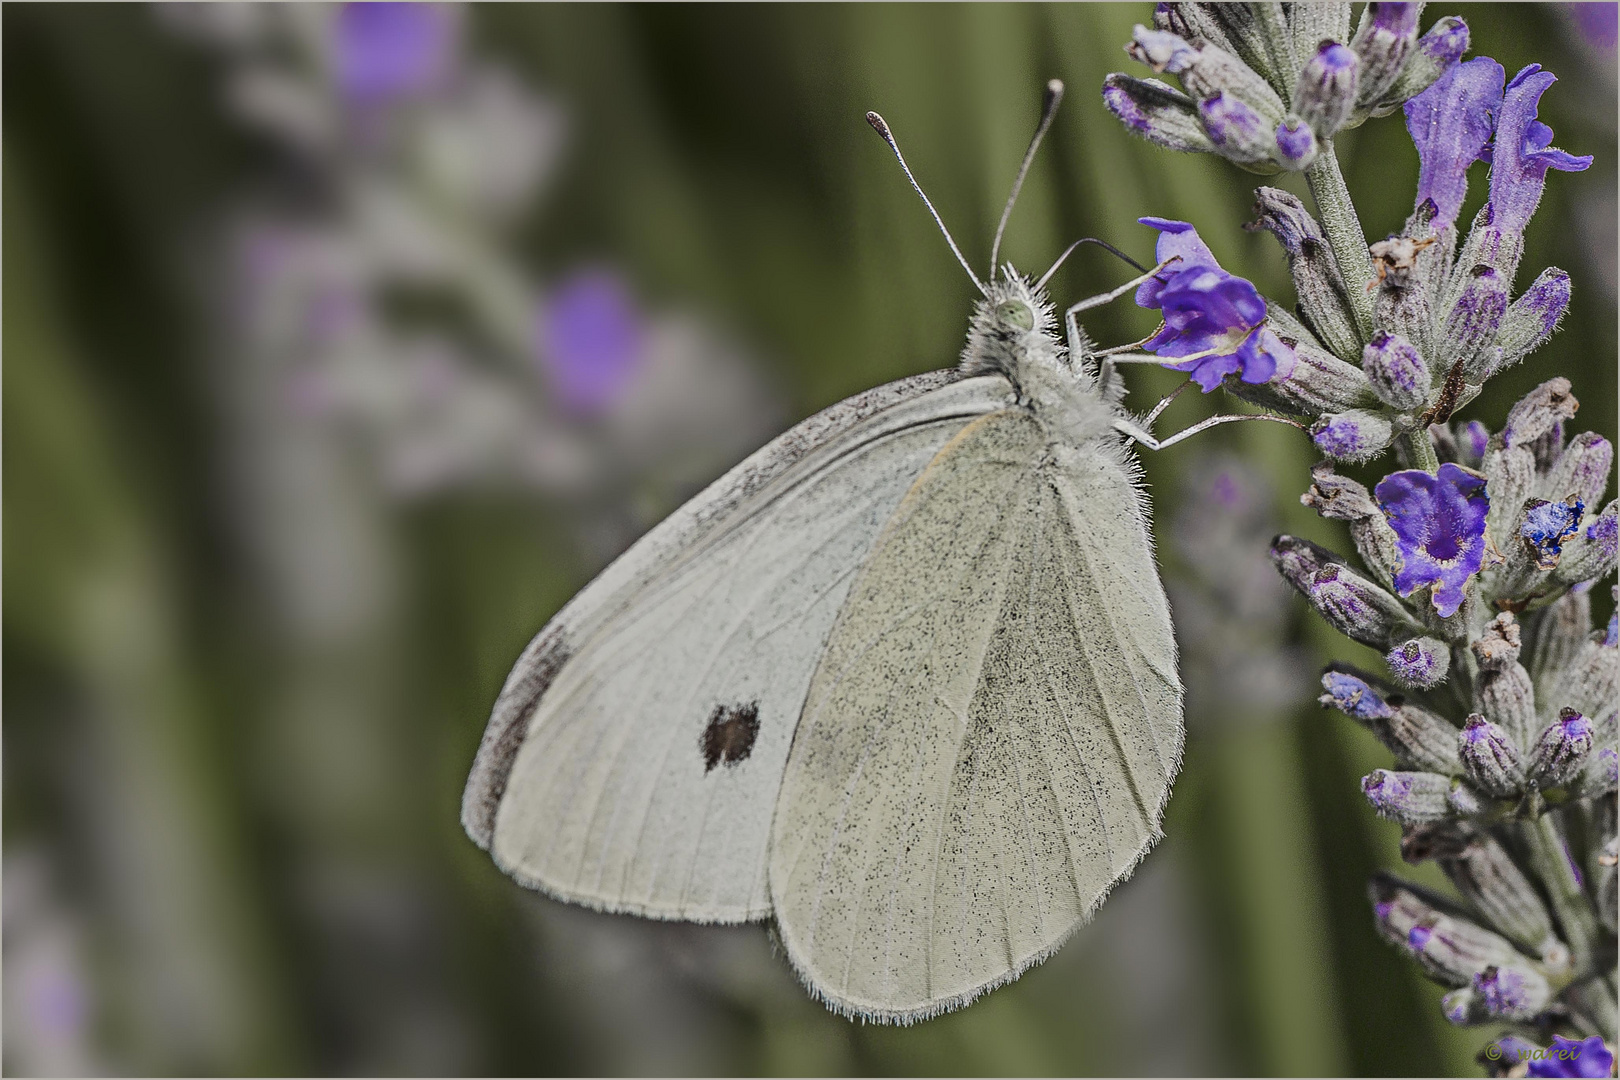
1450 123
1523 152
1439 522
1215 319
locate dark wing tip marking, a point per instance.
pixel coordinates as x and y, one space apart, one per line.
503 737
729 737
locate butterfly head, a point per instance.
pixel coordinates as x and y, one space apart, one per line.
1013 324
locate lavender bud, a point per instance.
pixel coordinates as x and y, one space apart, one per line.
1296 142
1342 499
1383 41
1473 440
1561 631
1298 561
1401 305
1354 697
1217 72
1489 879
1318 383
1510 477
1353 436
1534 316
1473 322
1490 758
1397 372
1536 412
1357 608
1588 683
1418 738
1411 798
1238 132
1421 663
1591 552
1512 992
1581 471
1317 281
1449 947
1600 777
1326 91
1161 50
1562 750
1506 695
1157 112
1311 24
1436 51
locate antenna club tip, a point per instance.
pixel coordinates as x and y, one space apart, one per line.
1054 88
877 122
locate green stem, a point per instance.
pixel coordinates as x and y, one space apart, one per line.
1344 234
1568 900
1421 451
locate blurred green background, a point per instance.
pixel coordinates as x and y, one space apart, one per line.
250 649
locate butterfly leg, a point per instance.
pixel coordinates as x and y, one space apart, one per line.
1138 435
1078 348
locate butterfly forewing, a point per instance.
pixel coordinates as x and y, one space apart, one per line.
988 741
648 766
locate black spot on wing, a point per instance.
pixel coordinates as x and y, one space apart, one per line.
730 736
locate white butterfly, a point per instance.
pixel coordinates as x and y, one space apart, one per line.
903 681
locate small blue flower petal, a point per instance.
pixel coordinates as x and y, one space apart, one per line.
1547 525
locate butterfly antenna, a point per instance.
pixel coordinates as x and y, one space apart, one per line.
1049 104
1105 245
881 126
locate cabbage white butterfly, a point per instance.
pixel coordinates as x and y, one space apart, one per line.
903 681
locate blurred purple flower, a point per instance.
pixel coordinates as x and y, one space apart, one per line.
1523 152
385 51
1450 123
1572 1057
1597 23
590 341
1209 314
1439 523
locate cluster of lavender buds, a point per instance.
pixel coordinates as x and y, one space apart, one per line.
1266 86
1477 562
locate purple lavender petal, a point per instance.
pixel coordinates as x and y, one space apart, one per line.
1571 1057
1439 524
1522 154
1450 123
385 51
591 341
1209 311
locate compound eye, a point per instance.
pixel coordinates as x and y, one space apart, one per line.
1016 313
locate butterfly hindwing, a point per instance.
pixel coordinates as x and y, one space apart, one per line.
987 744
633 764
